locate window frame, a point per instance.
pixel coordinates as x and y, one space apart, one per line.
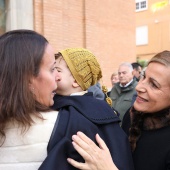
139 2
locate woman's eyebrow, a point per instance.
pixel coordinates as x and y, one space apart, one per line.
155 81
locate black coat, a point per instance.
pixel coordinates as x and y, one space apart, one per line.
91 116
152 150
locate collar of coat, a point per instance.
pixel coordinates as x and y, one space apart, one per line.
150 121
97 111
146 121
130 87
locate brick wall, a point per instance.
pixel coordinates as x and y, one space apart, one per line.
105 27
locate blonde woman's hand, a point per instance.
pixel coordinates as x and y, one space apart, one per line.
96 158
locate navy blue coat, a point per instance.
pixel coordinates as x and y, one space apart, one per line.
91 116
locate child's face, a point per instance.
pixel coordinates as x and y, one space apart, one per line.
65 84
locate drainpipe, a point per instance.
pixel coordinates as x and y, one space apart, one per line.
84 23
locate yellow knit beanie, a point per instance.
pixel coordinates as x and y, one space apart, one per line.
83 66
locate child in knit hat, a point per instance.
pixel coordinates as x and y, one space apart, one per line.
84 69
79 69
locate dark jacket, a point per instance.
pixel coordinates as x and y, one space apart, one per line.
122 97
91 116
97 91
152 150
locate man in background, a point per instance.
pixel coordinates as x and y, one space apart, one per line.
123 91
137 69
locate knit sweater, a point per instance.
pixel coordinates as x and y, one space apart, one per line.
26 151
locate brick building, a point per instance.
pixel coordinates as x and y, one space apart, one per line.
105 27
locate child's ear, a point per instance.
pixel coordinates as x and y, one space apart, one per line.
75 84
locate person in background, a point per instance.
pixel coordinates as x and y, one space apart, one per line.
149 130
28 79
79 110
123 91
137 69
97 91
114 78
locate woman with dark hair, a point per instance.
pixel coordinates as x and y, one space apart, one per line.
27 86
149 131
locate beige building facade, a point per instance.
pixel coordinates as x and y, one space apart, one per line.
152 27
105 27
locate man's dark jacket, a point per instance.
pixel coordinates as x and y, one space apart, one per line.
91 116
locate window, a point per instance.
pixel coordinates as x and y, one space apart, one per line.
2 16
137 6
19 14
141 5
14 14
142 35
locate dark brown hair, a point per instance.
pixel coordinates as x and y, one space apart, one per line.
21 53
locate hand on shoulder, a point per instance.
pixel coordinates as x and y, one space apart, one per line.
96 158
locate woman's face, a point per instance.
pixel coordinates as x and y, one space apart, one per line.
153 89
44 85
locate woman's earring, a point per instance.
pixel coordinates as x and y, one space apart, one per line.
32 89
